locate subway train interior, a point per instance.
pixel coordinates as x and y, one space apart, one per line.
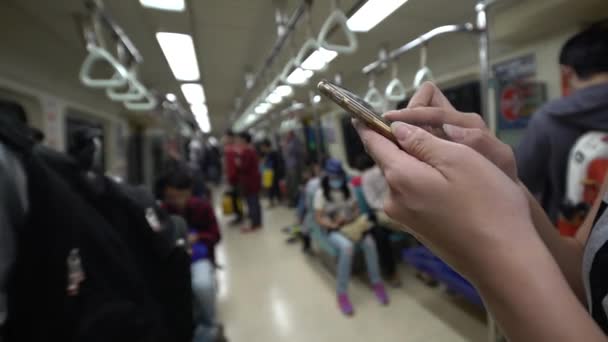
194 170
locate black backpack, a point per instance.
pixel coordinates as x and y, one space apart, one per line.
90 269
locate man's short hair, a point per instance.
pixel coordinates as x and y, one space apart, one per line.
245 136
179 178
229 133
587 51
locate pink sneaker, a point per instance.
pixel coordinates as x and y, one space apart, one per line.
345 305
381 294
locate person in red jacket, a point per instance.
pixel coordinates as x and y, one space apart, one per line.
204 233
231 163
250 180
203 236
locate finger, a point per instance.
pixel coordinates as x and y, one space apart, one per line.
477 139
378 147
429 95
423 145
392 160
436 117
499 153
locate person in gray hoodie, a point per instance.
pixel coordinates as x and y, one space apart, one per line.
542 156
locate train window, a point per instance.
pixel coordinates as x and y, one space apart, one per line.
465 97
352 143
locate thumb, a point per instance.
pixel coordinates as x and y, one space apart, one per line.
421 144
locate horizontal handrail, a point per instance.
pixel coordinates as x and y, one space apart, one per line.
419 41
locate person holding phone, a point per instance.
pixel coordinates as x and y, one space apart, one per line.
336 206
489 227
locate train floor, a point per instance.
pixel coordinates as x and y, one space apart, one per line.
270 291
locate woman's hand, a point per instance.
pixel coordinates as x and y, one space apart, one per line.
430 108
454 200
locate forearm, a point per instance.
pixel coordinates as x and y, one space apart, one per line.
567 252
530 299
325 221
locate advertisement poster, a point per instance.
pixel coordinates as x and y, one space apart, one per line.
52 112
518 94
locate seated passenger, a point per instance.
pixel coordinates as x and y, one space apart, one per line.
203 237
375 190
336 209
305 203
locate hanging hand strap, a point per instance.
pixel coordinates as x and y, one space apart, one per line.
149 104
135 92
395 90
96 54
373 96
424 73
337 17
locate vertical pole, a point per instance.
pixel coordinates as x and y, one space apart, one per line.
316 119
484 64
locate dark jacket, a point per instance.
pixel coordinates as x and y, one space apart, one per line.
542 156
275 162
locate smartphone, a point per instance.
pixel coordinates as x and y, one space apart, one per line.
357 108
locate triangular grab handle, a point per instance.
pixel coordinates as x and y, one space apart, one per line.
337 17
149 104
135 92
374 98
395 90
423 74
119 78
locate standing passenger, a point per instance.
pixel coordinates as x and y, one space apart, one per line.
543 153
250 180
231 161
294 160
274 162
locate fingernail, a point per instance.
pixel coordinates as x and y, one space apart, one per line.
401 130
454 132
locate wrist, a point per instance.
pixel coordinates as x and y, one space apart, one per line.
519 258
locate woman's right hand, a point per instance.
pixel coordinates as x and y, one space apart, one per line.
429 107
454 199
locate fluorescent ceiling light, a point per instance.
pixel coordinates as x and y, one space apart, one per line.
193 92
201 114
284 90
262 108
171 97
274 98
372 13
319 59
165 5
299 76
199 110
316 99
178 49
